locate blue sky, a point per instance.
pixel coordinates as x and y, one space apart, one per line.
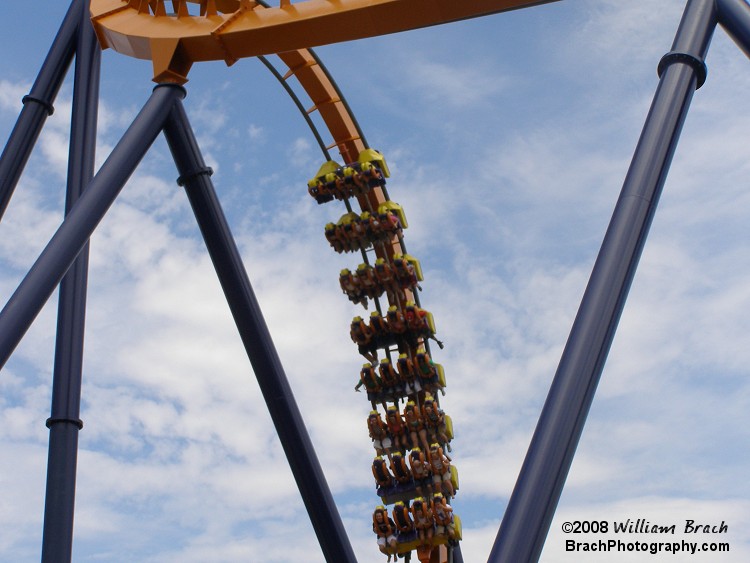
508 139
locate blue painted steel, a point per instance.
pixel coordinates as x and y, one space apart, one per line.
300 453
38 104
734 17
62 249
536 494
64 422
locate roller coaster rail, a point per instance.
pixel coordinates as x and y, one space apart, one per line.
226 30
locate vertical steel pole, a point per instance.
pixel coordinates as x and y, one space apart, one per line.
62 249
194 175
38 104
734 17
64 421
536 494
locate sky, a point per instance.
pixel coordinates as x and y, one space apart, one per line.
508 138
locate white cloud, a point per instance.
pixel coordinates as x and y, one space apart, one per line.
507 204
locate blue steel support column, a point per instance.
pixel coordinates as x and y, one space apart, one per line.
536 494
194 175
64 422
62 249
734 17
38 104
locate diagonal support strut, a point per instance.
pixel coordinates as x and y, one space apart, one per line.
537 491
299 450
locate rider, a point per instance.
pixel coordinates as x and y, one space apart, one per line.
361 335
388 375
423 520
384 528
350 285
334 238
367 280
420 470
402 517
434 420
399 468
428 373
378 433
396 427
441 469
443 514
408 373
415 425
384 277
383 477
369 378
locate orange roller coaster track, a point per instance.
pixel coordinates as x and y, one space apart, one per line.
228 30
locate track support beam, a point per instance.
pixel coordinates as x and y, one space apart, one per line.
539 486
37 105
65 245
64 422
734 18
299 450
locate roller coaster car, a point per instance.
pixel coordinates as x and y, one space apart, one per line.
318 186
410 542
386 394
366 282
416 487
379 227
336 182
369 176
375 157
353 183
407 262
403 491
353 232
389 226
349 228
381 333
393 208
